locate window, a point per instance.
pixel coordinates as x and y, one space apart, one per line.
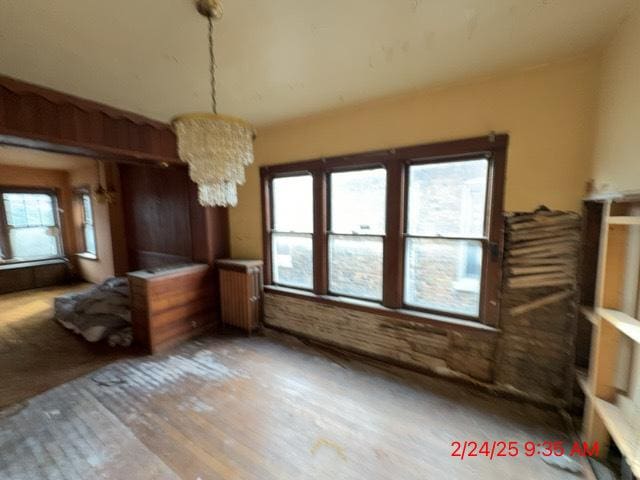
29 226
292 231
357 233
444 235
411 229
88 227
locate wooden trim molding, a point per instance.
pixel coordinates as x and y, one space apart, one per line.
396 162
37 117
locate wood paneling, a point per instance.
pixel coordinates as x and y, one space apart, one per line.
14 278
163 222
38 117
156 202
170 306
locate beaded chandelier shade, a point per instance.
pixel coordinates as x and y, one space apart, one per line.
216 147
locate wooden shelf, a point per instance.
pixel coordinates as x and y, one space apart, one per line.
627 440
623 322
612 259
582 377
621 220
590 314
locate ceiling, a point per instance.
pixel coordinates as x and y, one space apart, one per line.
26 157
279 59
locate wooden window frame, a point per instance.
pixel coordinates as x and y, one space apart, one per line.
330 232
397 162
5 241
80 193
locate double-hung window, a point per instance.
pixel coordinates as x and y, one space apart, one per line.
415 229
357 228
445 235
88 226
29 226
292 231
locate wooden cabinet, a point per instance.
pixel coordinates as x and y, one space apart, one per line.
171 305
241 293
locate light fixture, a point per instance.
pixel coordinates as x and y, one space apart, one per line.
216 147
100 193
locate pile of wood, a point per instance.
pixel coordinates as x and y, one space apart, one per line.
542 251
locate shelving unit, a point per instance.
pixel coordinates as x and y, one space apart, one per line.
611 273
590 314
619 220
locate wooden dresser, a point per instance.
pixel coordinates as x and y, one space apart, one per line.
171 305
241 293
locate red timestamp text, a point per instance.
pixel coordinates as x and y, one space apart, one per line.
503 448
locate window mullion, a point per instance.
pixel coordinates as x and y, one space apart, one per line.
393 251
320 228
5 243
492 263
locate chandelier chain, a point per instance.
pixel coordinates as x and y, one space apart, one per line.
212 67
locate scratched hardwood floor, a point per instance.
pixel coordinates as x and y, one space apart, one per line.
263 408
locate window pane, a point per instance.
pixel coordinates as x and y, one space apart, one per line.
443 274
89 239
355 266
33 242
447 199
292 260
358 201
293 204
86 206
29 209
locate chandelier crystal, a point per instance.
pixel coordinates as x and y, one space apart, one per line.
216 147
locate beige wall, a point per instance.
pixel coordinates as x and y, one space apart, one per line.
98 270
549 113
14 176
616 165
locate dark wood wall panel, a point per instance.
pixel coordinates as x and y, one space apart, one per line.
163 222
157 219
34 116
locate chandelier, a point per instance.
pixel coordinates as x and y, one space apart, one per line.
216 147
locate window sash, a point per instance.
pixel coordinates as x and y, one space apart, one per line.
272 232
345 293
280 279
397 163
430 307
7 250
87 224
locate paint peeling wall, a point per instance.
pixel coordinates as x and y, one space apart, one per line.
531 355
410 343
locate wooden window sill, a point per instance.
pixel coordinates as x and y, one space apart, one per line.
438 321
87 256
31 264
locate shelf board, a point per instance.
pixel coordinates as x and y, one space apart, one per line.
590 314
582 377
627 440
623 322
621 220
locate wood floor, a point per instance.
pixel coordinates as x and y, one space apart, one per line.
36 353
264 408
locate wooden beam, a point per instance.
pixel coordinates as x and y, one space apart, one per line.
32 116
